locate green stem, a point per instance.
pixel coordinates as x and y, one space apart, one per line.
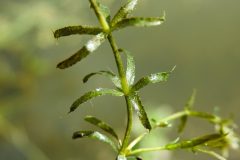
125 88
210 117
129 126
137 151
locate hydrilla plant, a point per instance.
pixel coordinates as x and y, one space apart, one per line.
125 86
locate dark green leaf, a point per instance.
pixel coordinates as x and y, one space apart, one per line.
182 124
153 78
104 126
124 11
139 22
95 135
93 94
71 30
91 46
194 142
102 13
108 74
142 115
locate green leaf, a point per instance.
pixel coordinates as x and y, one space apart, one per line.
95 135
102 13
194 142
136 141
124 11
188 106
153 78
71 30
182 125
104 126
139 108
114 78
91 46
139 22
130 72
105 11
211 153
191 100
93 94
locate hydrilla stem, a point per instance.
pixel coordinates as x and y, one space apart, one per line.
125 88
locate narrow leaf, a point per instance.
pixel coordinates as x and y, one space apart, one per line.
114 78
72 30
182 124
153 78
104 126
124 11
101 13
188 106
211 153
95 135
139 22
139 108
130 72
194 142
105 11
93 94
91 46
136 141
191 100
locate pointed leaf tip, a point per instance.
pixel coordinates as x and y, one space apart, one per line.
153 78
191 100
104 126
124 11
130 71
91 46
95 135
113 77
139 22
93 94
139 108
78 56
194 142
102 13
72 30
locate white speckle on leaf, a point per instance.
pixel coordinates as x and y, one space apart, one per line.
94 43
154 77
98 89
131 5
154 23
101 137
135 105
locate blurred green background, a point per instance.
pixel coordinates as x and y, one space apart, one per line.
201 37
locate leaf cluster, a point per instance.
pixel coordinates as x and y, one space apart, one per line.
120 20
